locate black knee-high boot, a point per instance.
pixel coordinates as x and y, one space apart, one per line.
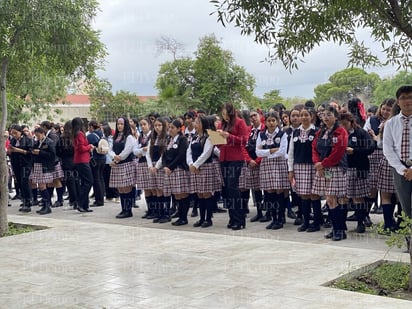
317 217
280 210
258 204
360 216
202 212
305 209
148 206
270 201
122 199
388 210
166 210
209 211
183 210
46 203
339 225
159 209
244 195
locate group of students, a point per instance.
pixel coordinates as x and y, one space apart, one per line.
308 153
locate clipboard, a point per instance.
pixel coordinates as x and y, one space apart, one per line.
216 138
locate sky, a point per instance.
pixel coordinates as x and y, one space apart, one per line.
129 29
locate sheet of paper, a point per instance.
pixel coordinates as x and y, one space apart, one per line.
216 138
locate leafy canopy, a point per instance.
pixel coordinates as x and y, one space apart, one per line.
293 28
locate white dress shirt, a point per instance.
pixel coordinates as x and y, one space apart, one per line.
392 139
265 153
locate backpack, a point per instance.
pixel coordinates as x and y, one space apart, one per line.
103 146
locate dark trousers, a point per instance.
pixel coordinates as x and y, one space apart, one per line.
231 194
403 188
23 179
110 192
84 183
70 177
98 180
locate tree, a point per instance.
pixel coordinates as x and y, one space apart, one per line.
387 87
293 28
269 99
54 37
217 78
347 83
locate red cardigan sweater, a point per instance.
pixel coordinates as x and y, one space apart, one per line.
81 149
236 141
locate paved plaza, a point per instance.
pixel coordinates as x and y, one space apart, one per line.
93 260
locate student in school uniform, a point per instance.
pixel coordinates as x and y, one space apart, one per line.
156 147
20 156
176 171
373 125
271 146
360 146
249 177
44 156
204 178
302 171
123 172
142 171
329 157
232 158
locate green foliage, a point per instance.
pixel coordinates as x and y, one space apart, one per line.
355 286
397 238
344 84
293 28
391 276
388 86
207 81
15 229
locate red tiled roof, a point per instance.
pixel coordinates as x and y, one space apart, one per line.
83 99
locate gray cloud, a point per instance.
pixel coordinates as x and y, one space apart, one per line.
130 29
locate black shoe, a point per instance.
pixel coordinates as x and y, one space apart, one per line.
57 204
337 236
298 221
164 220
236 227
45 211
145 215
25 209
352 218
368 222
156 220
327 224
197 223
220 210
194 214
180 222
85 210
175 215
16 197
360 229
379 210
41 209
255 218
277 226
150 217
291 214
302 228
36 203
207 223
265 218
329 235
97 204
229 224
125 214
270 226
313 228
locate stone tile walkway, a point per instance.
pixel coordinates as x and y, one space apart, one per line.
95 261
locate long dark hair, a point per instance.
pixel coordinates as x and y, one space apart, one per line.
77 126
162 136
127 130
232 114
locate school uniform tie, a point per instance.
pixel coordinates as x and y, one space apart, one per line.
405 139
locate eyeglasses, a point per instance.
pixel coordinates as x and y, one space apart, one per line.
253 115
405 97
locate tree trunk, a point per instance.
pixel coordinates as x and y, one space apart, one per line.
4 173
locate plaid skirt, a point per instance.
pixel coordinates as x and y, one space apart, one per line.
336 185
123 175
58 172
37 175
249 178
142 176
385 177
156 181
356 187
216 164
273 174
177 182
374 162
304 177
207 180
